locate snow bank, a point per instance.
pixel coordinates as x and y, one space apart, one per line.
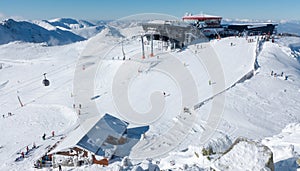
187 159
285 147
245 155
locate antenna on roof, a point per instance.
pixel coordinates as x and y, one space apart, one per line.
123 51
151 38
143 50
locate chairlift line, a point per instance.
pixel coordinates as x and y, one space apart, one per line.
123 51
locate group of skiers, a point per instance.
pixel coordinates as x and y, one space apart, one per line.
8 114
210 82
118 58
250 40
27 150
274 74
44 135
79 106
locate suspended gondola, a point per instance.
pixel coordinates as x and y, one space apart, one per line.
46 82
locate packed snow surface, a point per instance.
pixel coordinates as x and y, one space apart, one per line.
256 108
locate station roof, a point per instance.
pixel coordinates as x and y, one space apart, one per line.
101 134
201 17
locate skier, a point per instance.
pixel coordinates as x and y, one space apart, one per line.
22 154
27 149
79 106
44 136
272 73
33 145
209 82
59 168
52 133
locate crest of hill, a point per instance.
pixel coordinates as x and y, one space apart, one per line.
11 30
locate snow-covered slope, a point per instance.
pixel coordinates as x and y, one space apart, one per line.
285 147
260 107
256 108
43 111
266 98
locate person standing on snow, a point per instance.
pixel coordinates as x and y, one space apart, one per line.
52 133
44 136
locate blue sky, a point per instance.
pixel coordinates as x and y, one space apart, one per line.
114 9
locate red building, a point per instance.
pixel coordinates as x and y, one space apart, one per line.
203 20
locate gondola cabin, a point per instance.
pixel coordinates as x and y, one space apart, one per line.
46 82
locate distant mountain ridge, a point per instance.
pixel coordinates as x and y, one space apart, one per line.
69 23
59 31
11 30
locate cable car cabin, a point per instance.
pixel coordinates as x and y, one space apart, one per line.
45 81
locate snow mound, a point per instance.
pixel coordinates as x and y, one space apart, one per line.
220 144
285 147
11 30
189 159
245 155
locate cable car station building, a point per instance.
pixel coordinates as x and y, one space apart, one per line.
200 27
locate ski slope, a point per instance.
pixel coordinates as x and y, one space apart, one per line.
133 91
